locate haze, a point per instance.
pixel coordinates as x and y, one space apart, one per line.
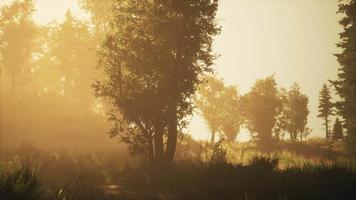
293 39
177 99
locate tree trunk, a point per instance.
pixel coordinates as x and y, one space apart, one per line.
172 116
172 131
293 136
326 128
301 136
158 147
150 150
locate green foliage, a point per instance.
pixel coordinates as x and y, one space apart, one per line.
346 85
20 182
219 106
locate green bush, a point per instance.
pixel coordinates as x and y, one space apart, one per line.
19 183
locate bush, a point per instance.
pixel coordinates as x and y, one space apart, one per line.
19 183
268 163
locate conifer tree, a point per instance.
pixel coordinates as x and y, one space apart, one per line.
325 108
346 83
337 133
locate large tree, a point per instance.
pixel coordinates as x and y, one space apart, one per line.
17 40
219 106
262 105
346 84
296 114
325 108
153 58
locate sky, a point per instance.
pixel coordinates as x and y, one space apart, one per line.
292 39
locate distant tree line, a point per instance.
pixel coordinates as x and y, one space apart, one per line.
267 111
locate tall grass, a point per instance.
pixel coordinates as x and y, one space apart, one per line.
19 182
260 178
221 171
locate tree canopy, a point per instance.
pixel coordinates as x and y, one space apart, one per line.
220 108
346 84
17 41
153 58
261 108
297 113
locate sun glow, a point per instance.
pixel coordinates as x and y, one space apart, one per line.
307 32
47 11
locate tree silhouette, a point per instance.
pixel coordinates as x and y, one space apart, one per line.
153 59
325 108
232 114
219 106
337 133
17 40
346 85
297 113
72 50
261 108
280 128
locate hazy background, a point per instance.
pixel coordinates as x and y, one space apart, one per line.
293 39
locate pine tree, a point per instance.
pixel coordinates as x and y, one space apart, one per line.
325 108
337 133
346 84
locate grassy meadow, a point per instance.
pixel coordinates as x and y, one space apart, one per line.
313 169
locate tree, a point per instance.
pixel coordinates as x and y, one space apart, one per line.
219 106
296 113
346 85
281 120
153 58
73 51
101 12
232 114
337 133
208 103
261 108
17 40
325 108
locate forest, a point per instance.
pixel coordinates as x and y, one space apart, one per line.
101 108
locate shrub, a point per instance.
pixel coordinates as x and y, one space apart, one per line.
268 163
19 183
